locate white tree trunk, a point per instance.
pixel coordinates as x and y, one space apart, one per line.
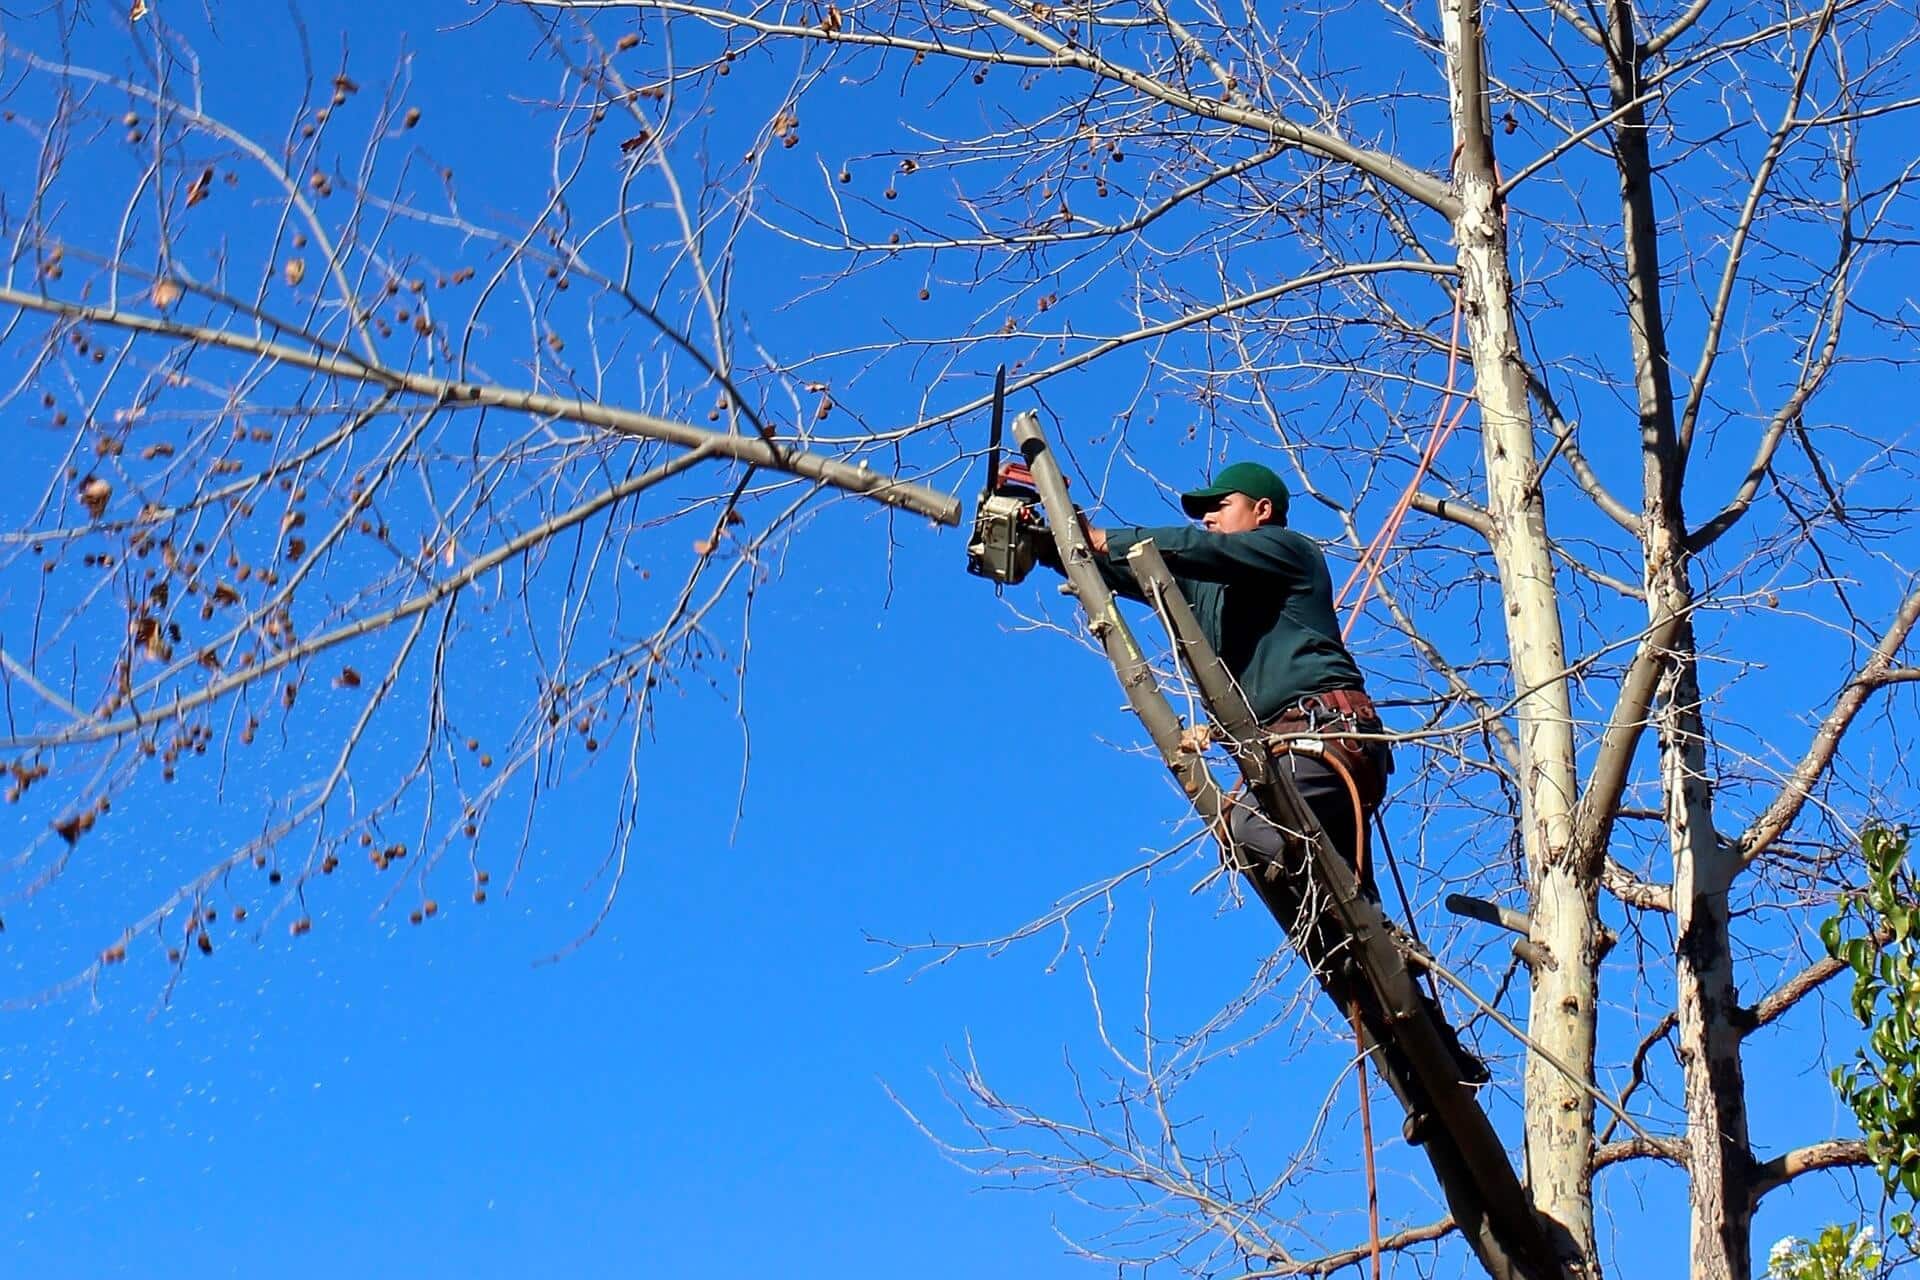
1559 1112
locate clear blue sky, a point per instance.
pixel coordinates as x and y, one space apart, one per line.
704 1088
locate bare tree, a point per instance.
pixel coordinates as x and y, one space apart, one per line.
276 464
1650 245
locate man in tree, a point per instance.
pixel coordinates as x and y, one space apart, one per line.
1263 597
1264 600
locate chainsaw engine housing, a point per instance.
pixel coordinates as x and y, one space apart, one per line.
1001 547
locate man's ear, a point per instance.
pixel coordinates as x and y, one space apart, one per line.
1263 509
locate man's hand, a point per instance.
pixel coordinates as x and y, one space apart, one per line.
1096 538
1196 739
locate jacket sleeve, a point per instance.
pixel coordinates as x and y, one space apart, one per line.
1220 557
1113 568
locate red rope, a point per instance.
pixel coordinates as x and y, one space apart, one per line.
1373 559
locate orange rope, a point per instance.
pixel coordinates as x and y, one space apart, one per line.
1373 559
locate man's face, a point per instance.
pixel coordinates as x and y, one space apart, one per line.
1237 513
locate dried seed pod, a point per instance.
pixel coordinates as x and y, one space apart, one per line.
95 493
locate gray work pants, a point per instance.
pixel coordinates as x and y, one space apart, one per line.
1327 795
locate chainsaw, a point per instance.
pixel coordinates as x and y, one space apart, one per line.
1007 520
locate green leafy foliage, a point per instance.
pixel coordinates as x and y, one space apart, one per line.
1837 1253
1873 933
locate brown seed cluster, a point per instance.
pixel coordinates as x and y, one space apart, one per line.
24 775
94 493
75 825
786 127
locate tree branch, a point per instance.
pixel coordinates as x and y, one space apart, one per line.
98 729
1574 139
1672 1150
1332 1262
1632 890
1565 445
1743 229
455 394
1637 1069
1568 14
1877 673
1453 509
1677 28
1422 187
1789 993
1607 781
1187 320
1836 1153
1058 54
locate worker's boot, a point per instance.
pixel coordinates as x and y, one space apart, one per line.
1472 1068
1473 1071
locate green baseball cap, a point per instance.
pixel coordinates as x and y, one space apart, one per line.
1249 478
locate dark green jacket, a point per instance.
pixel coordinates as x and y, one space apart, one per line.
1264 600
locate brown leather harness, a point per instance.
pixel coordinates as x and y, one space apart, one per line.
1315 714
